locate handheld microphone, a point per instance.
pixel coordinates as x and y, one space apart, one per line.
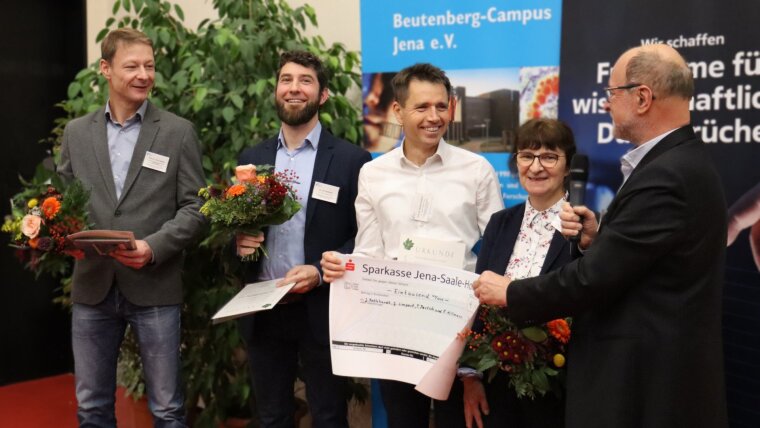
578 178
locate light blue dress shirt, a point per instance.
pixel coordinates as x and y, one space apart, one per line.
122 139
285 242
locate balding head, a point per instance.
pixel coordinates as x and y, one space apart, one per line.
650 91
661 68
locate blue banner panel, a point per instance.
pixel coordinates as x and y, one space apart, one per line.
459 35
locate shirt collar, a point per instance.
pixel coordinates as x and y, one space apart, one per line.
312 138
442 153
630 160
139 114
549 213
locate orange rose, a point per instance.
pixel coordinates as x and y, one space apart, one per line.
50 207
33 243
30 225
235 190
245 173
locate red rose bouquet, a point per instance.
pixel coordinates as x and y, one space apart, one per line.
41 218
253 203
534 356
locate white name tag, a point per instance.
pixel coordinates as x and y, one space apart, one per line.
325 192
422 207
155 161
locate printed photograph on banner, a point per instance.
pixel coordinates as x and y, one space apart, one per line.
539 92
490 106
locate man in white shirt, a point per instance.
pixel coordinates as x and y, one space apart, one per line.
425 188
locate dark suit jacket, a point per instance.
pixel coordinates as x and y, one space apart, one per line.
645 299
329 227
161 208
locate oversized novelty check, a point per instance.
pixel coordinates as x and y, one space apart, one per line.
400 320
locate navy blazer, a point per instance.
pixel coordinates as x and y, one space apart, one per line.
329 227
645 298
499 240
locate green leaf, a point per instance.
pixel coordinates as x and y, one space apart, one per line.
311 13
101 35
74 89
179 12
200 95
207 164
254 122
228 113
138 4
259 87
325 118
536 334
127 5
164 36
116 6
237 101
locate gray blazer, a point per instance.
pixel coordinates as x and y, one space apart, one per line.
160 208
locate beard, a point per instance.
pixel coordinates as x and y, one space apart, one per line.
297 117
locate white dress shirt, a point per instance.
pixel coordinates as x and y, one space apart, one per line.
450 197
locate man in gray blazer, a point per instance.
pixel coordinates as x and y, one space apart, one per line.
142 166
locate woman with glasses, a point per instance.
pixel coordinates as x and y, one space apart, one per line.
521 242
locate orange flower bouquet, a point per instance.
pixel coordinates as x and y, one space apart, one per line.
41 218
534 356
258 199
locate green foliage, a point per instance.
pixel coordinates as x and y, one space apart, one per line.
221 77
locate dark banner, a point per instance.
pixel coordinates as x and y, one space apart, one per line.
721 43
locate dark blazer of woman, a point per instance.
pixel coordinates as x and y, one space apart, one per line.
506 410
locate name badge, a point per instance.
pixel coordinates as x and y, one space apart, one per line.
325 192
422 207
155 161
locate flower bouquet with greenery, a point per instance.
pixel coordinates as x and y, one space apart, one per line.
534 356
254 202
41 217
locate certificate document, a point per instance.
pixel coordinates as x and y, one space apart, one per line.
254 297
394 320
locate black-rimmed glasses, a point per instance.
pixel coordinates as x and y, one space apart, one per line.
547 160
608 90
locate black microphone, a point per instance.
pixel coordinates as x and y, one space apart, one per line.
578 178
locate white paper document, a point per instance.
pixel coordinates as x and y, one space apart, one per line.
254 297
400 321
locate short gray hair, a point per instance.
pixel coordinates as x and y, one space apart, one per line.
665 76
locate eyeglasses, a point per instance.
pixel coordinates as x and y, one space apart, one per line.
609 89
547 160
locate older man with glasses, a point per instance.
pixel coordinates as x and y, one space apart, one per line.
646 295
